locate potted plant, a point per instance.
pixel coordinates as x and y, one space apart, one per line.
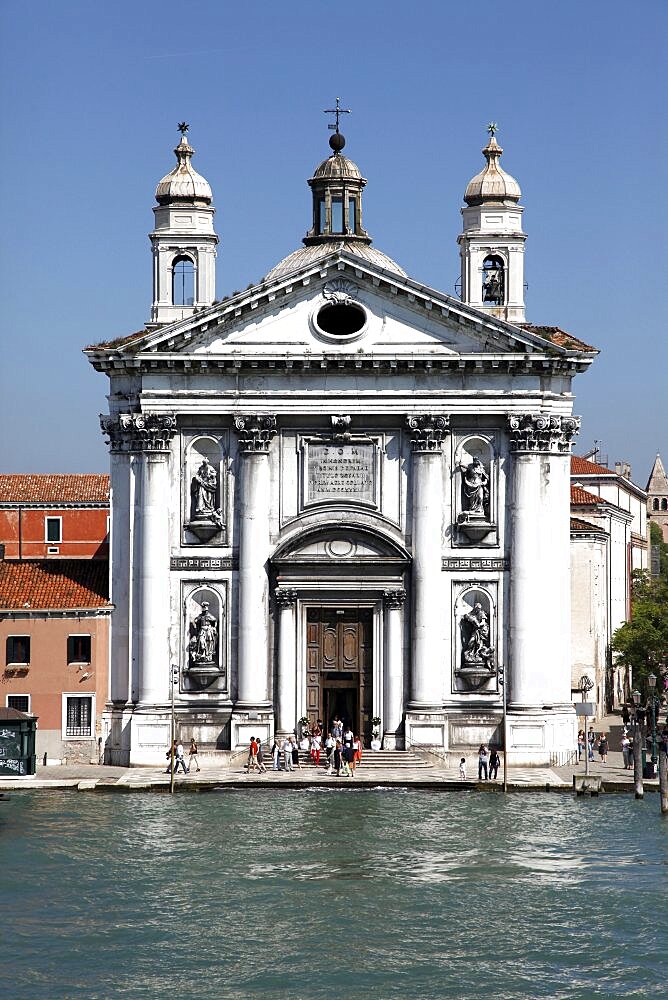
304 725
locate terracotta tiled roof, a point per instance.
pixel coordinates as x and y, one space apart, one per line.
577 524
580 497
54 583
583 467
559 337
54 489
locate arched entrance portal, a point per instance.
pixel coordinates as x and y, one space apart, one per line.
339 648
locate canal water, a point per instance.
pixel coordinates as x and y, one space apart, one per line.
337 894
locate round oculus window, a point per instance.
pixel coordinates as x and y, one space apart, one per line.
341 319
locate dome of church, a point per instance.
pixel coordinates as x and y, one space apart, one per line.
492 184
183 183
337 166
317 252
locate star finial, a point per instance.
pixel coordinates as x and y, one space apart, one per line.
492 128
183 127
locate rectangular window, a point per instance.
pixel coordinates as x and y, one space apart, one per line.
337 215
53 529
21 702
351 215
18 649
78 716
78 649
322 220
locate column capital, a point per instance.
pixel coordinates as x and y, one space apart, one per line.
138 432
541 432
427 431
255 431
285 596
394 598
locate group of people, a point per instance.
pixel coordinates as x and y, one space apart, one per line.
176 756
593 743
340 751
488 764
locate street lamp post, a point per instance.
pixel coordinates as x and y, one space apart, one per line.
637 757
651 683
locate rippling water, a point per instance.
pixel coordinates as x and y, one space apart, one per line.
338 894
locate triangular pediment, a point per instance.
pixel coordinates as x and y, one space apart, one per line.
393 318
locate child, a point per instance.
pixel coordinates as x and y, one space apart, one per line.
462 768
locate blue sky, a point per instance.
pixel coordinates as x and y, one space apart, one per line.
91 95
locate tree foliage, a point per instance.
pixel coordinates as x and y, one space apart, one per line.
642 642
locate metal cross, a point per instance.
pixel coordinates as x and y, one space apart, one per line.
183 127
492 128
336 111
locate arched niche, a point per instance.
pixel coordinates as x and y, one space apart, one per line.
204 499
474 488
204 629
475 643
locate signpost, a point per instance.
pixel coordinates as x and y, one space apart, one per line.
585 709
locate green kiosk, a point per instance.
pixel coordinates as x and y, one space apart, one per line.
17 743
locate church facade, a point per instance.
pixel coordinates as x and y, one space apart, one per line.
340 491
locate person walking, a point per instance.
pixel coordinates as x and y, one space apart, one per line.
581 744
180 759
287 755
494 761
171 757
462 768
337 757
316 744
275 756
591 739
251 761
192 755
482 762
603 748
626 746
295 754
260 756
330 743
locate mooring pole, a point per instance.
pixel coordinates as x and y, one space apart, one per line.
172 675
663 779
637 760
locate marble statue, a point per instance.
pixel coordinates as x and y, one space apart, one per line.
475 487
203 644
475 638
203 491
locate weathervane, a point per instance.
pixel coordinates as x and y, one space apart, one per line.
336 111
183 128
492 128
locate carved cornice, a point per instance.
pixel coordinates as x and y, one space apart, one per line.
394 598
138 432
539 432
285 597
427 431
255 431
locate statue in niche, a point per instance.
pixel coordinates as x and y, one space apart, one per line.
203 491
476 651
475 488
204 641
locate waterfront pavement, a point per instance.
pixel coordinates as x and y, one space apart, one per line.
441 775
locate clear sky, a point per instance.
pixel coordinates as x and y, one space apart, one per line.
91 95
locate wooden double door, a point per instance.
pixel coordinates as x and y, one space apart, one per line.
339 667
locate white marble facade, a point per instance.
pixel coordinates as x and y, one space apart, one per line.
341 488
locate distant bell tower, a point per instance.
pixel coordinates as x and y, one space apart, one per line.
491 245
183 241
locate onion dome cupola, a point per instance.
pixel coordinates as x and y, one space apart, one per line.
492 242
183 241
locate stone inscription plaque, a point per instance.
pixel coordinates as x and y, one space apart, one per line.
341 472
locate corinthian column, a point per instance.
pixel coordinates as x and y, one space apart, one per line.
255 434
286 701
540 624
140 576
427 433
394 659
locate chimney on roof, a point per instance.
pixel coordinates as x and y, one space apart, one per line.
623 469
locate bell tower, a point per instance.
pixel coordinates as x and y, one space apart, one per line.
491 245
183 241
